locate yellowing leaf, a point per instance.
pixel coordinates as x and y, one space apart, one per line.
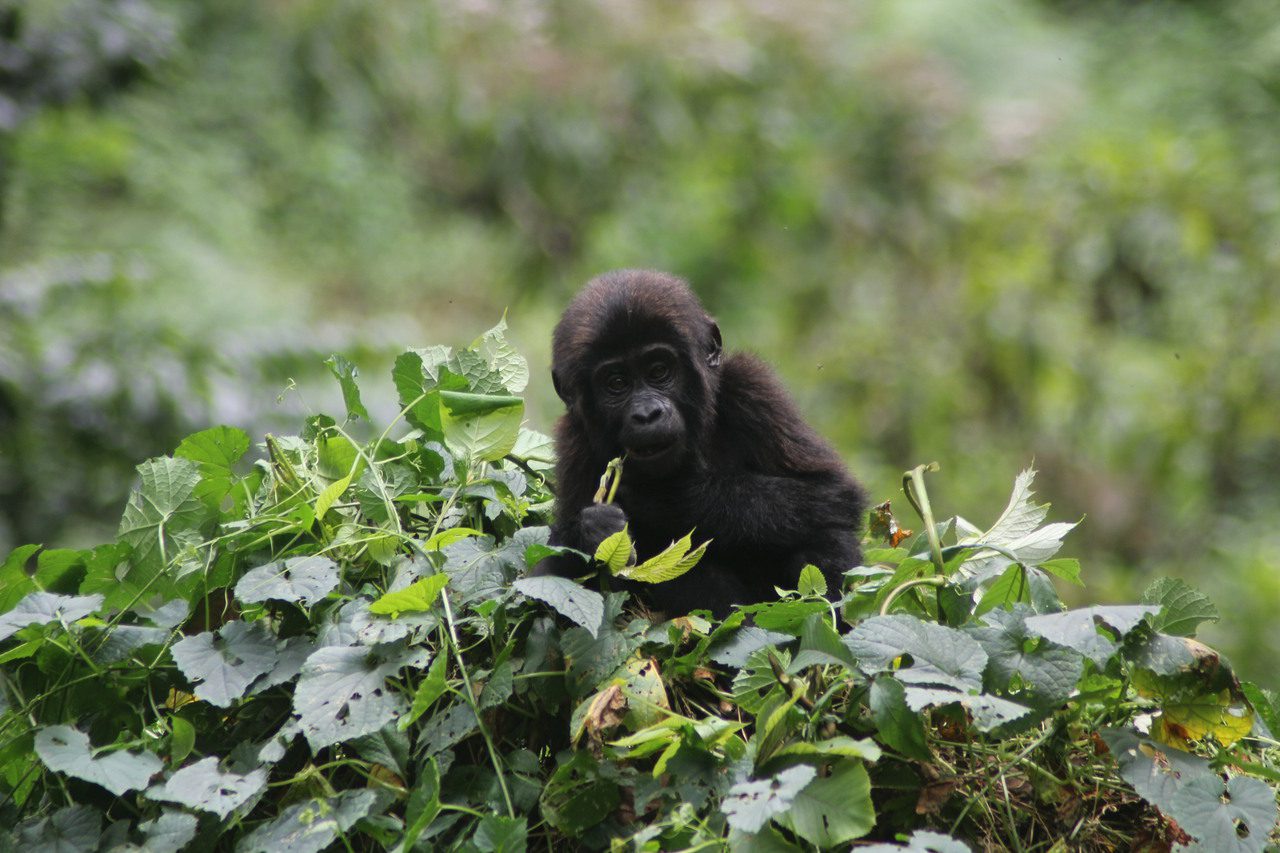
615 551
418 597
1214 715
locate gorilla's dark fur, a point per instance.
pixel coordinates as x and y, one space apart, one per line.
713 445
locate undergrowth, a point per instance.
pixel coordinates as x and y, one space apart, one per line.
338 643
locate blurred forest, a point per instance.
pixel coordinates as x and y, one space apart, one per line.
983 233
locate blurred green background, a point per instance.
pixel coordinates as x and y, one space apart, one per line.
983 233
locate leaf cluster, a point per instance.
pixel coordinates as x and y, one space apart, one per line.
339 643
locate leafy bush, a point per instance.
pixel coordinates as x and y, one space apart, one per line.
336 643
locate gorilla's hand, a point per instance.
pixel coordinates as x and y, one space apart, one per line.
598 522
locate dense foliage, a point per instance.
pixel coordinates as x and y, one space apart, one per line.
338 642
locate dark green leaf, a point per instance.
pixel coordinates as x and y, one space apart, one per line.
1182 608
939 655
67 750
833 809
346 374
570 599
311 826
222 666
898 725
305 580
748 806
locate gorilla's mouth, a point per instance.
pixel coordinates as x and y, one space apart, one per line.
647 452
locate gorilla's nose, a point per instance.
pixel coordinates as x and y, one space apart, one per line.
645 414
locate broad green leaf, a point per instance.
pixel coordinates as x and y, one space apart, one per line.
506 369
898 726
1182 609
1078 629
939 655
480 427
788 616
182 739
570 599
497 834
1155 771
305 580
1235 816
216 451
748 806
834 809
615 551
812 581
73 829
342 692
223 665
66 750
820 646
536 450
170 832
735 650
163 516
418 597
204 787
1017 662
444 730
40 608
843 746
314 824
347 374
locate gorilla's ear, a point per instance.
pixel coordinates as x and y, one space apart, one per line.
561 390
713 352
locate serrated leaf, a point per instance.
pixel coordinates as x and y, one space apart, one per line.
674 560
159 512
1078 629
569 599
497 834
735 650
66 750
305 580
342 692
1047 673
222 666
748 806
615 551
418 597
202 786
39 608
346 373
480 427
1182 609
812 581
939 655
1018 531
834 809
506 369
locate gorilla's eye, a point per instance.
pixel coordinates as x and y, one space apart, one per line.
660 371
616 383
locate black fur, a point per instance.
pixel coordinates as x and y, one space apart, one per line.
733 458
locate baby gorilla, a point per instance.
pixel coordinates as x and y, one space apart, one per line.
711 444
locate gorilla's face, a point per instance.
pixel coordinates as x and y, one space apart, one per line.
638 396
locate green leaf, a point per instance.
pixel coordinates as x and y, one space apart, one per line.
898 725
1182 609
182 739
346 374
920 841
66 750
1009 589
419 597
1232 817
570 599
429 690
842 746
312 825
748 806
788 616
1017 531
988 712
671 563
480 427
1078 629
497 834
424 803
1065 568
216 451
342 692
1047 673
329 496
304 580
222 666
163 516
74 828
834 809
615 551
812 582
506 369
40 608
1155 771
939 655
